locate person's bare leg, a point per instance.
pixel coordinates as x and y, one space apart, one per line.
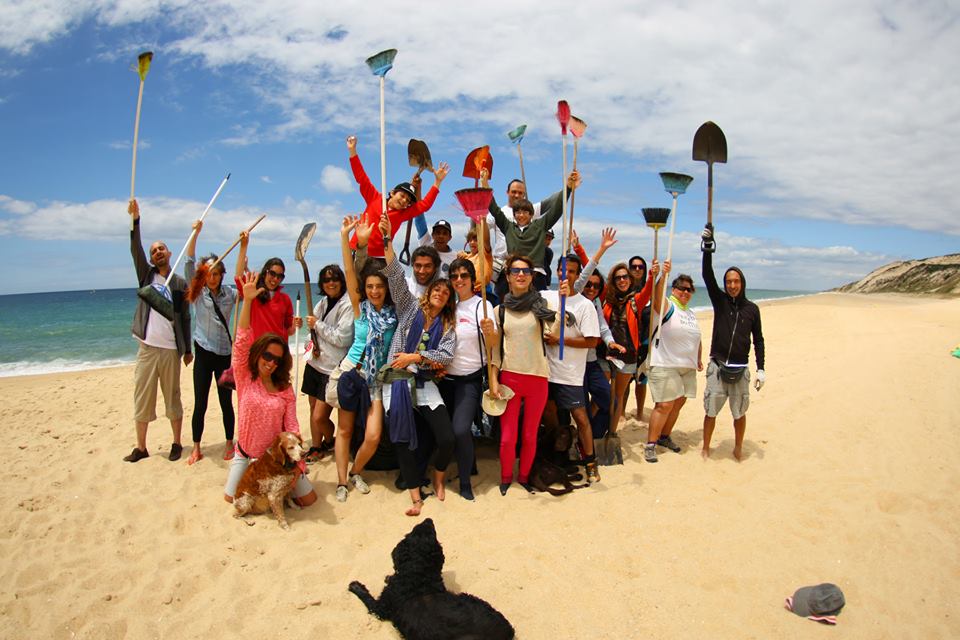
195 455
141 435
620 382
658 420
326 425
177 426
314 422
584 432
550 417
341 448
739 430
708 426
307 500
640 391
371 439
417 500
672 418
439 478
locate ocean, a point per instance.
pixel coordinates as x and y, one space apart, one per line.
77 330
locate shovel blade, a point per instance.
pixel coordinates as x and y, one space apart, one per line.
709 144
419 155
306 234
478 159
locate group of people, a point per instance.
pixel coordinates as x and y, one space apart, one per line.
405 361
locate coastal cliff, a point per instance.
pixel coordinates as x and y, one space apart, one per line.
938 276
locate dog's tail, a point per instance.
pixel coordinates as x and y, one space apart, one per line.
360 590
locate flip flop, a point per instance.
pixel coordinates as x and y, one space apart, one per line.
314 455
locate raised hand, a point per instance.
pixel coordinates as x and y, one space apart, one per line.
352 145
250 288
133 208
386 227
440 173
349 224
364 230
574 180
608 238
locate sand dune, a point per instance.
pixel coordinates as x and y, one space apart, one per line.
851 476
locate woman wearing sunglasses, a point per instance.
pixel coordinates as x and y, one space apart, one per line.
622 310
272 309
522 366
267 403
331 326
424 341
675 358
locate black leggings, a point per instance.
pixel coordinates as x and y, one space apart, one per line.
462 397
207 365
433 428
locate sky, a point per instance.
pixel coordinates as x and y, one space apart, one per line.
842 123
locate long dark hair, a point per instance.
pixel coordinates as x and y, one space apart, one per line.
611 296
281 374
265 296
334 271
372 270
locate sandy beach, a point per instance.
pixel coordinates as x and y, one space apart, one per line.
851 475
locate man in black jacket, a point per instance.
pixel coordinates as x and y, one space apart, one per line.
735 320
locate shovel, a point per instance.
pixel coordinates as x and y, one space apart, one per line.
299 253
608 449
478 160
419 156
709 145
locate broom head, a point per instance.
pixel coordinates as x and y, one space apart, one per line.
198 282
563 116
475 202
382 62
656 217
517 134
577 127
478 159
143 64
675 182
158 298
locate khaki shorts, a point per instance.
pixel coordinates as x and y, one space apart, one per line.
669 383
718 392
156 365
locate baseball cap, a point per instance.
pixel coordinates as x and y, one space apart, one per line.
444 224
821 603
407 188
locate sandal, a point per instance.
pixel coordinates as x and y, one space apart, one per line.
415 509
313 455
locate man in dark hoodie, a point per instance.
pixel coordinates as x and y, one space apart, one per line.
735 320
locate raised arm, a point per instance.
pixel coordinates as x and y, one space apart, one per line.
661 282
709 278
403 300
349 271
552 207
140 263
250 291
190 266
242 256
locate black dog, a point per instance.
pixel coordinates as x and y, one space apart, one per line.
552 465
418 604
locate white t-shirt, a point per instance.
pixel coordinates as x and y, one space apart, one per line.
467 358
570 370
159 329
678 342
446 257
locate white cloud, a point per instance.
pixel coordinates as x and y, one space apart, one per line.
16 207
336 179
266 180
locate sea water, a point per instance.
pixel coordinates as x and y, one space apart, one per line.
76 330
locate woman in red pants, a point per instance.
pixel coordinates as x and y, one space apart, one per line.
522 357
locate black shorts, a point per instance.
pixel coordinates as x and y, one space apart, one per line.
566 396
314 383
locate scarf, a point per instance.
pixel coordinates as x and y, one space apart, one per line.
530 301
400 418
679 304
378 323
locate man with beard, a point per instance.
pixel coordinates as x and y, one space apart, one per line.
735 320
162 343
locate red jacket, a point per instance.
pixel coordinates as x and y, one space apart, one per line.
641 298
374 209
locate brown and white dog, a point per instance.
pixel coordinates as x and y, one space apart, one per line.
269 479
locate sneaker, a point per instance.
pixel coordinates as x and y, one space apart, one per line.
341 493
650 452
176 450
593 473
667 443
136 455
358 482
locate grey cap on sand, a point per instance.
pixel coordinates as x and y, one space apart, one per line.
821 602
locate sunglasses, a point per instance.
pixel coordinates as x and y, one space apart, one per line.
276 274
637 267
463 275
521 271
329 279
592 285
685 289
621 276
269 357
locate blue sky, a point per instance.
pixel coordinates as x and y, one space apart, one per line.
842 126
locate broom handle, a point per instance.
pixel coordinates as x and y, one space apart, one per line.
236 242
193 233
136 133
383 152
296 347
523 176
656 242
573 196
663 294
483 290
564 246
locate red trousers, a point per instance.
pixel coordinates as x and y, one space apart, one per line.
531 392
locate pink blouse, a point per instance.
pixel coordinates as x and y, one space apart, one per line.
262 415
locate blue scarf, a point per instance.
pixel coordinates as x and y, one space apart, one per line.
400 419
374 353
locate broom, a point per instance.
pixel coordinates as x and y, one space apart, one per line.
516 136
563 117
143 67
379 64
200 277
656 219
158 296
